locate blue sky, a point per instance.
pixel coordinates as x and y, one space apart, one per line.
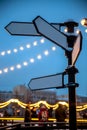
53 11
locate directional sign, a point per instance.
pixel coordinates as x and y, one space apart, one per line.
24 28
47 82
77 48
50 32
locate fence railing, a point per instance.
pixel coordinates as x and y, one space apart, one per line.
41 125
15 126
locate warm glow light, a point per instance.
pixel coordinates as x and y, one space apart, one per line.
37 104
84 22
65 30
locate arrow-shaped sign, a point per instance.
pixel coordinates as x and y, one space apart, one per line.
24 28
41 27
50 32
47 82
77 48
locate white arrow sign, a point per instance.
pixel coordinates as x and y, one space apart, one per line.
22 28
50 32
77 48
46 82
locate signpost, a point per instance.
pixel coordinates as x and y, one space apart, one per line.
41 27
48 31
77 48
22 28
25 28
46 82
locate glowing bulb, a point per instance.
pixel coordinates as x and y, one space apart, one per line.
12 68
35 43
21 48
0 71
42 40
77 31
46 52
53 48
15 50
25 63
28 46
3 53
65 30
86 30
84 22
5 70
9 52
18 66
32 60
39 56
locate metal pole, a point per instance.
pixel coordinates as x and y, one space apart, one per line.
72 98
71 71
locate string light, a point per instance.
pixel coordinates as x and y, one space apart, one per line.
2 53
0 71
42 40
35 43
5 70
86 30
18 66
53 48
25 63
15 50
39 56
32 60
8 51
21 48
12 68
37 104
46 52
28 46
